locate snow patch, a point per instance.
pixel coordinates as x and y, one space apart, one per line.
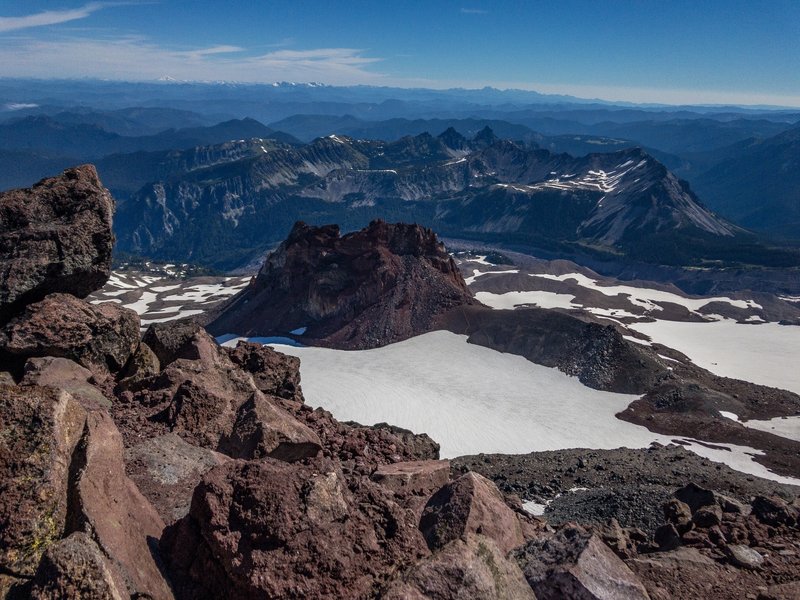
534 508
646 298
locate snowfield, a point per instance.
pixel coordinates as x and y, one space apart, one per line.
480 400
472 399
765 353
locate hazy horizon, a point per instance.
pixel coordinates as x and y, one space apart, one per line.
721 53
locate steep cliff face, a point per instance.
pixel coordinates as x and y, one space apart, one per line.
370 288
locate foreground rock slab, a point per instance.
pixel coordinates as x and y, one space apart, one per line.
111 509
269 529
39 431
577 564
473 568
54 237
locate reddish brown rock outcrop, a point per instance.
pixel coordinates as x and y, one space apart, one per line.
470 504
366 289
268 529
54 237
100 337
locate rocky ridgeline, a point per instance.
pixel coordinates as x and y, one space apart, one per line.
383 284
169 467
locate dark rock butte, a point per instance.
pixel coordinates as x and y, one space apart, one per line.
379 285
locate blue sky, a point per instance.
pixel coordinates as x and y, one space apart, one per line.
671 51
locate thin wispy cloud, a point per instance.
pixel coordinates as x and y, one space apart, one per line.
212 51
474 11
137 58
48 17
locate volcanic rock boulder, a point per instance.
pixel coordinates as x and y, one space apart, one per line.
54 237
75 568
217 406
173 340
577 564
142 364
100 337
470 504
473 568
39 431
270 529
383 284
263 429
166 469
774 511
274 373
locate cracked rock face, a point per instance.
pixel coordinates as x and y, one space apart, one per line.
54 237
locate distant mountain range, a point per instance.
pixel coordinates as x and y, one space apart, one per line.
48 136
758 184
35 146
623 204
738 160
